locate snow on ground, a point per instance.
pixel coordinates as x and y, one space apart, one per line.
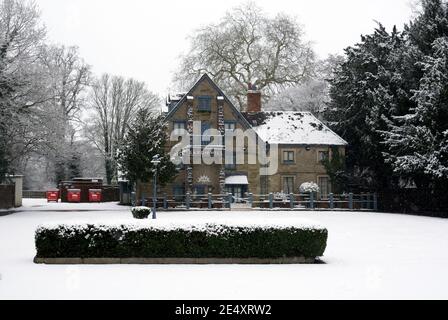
369 256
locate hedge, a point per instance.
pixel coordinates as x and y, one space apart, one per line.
207 241
141 212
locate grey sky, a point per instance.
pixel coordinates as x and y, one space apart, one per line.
143 39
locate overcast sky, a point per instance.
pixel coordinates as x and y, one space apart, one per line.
143 39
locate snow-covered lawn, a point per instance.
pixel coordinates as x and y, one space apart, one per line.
369 256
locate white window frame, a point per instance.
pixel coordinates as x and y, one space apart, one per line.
284 161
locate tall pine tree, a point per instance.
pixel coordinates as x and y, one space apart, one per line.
429 25
365 92
146 138
418 141
390 102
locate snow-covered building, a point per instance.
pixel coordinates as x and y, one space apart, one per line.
303 143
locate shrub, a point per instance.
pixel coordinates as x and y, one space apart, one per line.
141 212
207 241
309 187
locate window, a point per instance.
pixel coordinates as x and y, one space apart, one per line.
230 126
199 191
205 104
324 187
180 156
179 125
288 185
230 157
288 157
179 193
206 138
323 156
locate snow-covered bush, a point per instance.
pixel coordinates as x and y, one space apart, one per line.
281 196
202 241
309 187
141 212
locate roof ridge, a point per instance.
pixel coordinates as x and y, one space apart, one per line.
205 76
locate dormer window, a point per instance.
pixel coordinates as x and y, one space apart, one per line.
205 104
179 126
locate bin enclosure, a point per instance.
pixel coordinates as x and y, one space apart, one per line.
53 196
74 195
95 195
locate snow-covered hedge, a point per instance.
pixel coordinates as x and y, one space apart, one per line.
141 212
155 241
309 187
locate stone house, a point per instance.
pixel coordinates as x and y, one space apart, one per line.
303 142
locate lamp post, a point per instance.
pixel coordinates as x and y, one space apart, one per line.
155 161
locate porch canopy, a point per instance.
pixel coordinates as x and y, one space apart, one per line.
237 181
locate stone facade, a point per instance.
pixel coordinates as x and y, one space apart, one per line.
306 167
218 112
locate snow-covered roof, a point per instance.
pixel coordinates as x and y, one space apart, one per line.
237 180
292 127
177 96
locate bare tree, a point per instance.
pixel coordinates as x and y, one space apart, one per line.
20 30
311 96
21 91
68 77
114 102
248 47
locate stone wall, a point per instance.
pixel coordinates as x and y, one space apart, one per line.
210 171
306 167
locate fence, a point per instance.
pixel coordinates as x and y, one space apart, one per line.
7 196
33 194
367 201
111 194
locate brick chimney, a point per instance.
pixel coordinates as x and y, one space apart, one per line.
253 99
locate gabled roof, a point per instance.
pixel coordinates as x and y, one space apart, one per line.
282 127
206 77
291 127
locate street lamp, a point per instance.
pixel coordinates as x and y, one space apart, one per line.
155 161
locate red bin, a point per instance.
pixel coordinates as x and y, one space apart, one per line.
53 196
74 195
95 195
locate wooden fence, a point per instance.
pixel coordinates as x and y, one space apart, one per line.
367 201
34 194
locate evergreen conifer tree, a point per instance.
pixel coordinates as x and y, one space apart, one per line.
146 138
365 92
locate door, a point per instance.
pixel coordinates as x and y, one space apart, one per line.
238 192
